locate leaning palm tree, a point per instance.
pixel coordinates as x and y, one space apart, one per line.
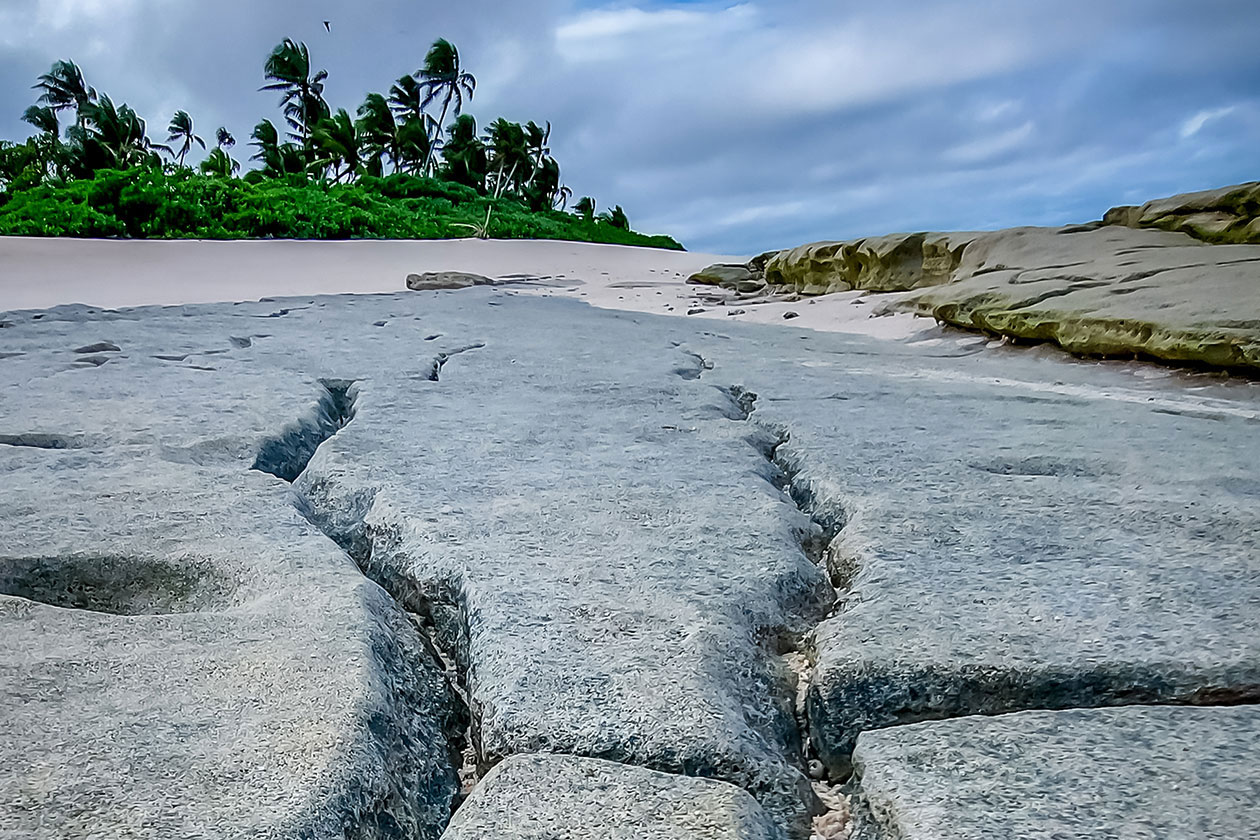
442 77
414 145
511 154
112 137
337 143
219 164
64 87
288 70
615 217
48 144
223 138
181 132
585 208
465 154
43 117
380 132
406 97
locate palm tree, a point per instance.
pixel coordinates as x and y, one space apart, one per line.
277 158
443 77
414 144
181 132
219 164
511 153
585 208
64 87
288 70
47 145
111 137
44 118
337 141
615 217
378 129
406 97
536 138
465 154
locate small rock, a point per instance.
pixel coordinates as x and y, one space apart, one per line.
695 311
789 315
446 280
736 312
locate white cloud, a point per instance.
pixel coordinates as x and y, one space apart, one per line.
988 146
1195 124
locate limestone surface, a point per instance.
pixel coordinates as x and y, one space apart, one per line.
553 797
735 276
1223 215
1140 772
519 525
897 262
1110 291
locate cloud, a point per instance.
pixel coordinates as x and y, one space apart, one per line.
740 126
1195 124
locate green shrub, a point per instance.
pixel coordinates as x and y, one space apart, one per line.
153 204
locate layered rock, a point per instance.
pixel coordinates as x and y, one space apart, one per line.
880 263
1110 292
1224 215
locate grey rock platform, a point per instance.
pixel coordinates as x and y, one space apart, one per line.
1140 772
593 539
554 797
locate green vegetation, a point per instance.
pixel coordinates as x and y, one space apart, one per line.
392 171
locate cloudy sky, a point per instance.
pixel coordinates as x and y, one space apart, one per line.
739 127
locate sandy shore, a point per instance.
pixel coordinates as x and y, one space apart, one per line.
39 273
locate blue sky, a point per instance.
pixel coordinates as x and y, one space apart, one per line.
740 127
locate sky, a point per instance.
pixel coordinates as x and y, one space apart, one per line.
739 127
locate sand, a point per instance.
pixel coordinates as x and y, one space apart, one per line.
40 273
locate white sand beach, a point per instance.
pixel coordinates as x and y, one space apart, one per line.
39 273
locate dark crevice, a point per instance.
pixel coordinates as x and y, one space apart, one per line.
286 455
435 369
36 440
431 614
826 520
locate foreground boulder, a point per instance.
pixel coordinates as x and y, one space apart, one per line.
1139 771
554 797
1224 215
431 280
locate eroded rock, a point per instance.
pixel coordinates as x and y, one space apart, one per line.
431 280
1223 215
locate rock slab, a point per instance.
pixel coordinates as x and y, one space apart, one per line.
1136 772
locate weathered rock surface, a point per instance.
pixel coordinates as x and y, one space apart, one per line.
183 654
1093 290
1132 772
541 797
436 280
1223 215
587 526
880 263
1110 291
1009 540
734 276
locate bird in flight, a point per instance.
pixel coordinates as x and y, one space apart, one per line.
328 25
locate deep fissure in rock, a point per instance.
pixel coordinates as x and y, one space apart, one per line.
797 652
287 456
